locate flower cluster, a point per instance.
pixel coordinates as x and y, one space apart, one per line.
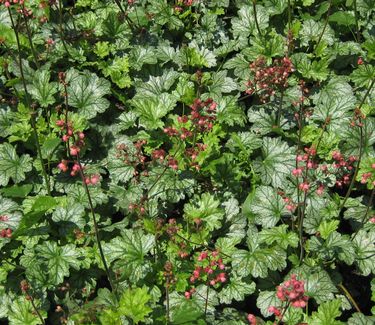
358 118
343 167
200 120
133 156
183 3
209 268
304 163
5 233
269 79
69 134
292 292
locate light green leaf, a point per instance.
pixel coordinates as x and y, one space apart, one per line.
278 162
12 166
152 109
258 259
266 207
326 314
41 89
86 91
57 260
236 290
280 235
360 319
364 245
207 209
129 251
244 25
22 313
133 304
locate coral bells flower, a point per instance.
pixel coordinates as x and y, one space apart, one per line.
63 166
173 163
293 291
74 150
252 319
6 233
304 186
275 311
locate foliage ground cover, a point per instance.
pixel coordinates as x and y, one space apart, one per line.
187 162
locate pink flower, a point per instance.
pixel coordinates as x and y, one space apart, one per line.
63 166
94 179
297 172
252 319
74 150
187 295
304 186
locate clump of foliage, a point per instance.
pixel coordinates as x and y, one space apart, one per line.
187 162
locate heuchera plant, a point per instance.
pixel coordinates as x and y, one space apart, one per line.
187 162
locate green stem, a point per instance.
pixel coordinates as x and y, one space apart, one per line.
349 297
360 150
61 31
96 228
206 301
366 213
256 18
28 32
356 21
27 97
325 24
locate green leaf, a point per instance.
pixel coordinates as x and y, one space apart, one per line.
363 75
152 109
118 70
277 164
327 227
12 166
326 314
41 89
22 313
86 91
312 30
265 300
70 213
133 304
360 319
266 207
364 245
17 190
205 208
9 209
129 251
337 109
236 290
344 18
259 259
280 235
58 260
141 55
244 25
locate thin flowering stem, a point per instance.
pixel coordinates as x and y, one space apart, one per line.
349 297
25 288
256 17
360 149
96 228
366 213
283 313
28 32
61 30
206 301
325 25
27 97
356 21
